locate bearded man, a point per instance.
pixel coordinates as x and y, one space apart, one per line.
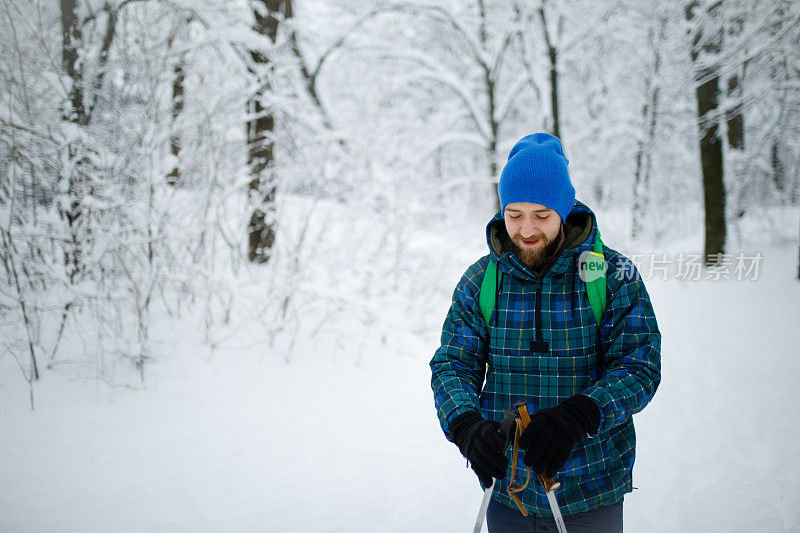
581 373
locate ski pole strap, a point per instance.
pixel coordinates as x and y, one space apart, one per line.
512 489
548 483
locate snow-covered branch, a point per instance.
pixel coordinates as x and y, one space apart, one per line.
435 72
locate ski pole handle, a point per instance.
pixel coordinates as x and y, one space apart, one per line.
549 484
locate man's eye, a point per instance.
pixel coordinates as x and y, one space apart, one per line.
513 216
542 217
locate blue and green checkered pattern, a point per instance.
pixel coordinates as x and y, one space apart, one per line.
489 368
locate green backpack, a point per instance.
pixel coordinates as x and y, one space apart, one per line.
595 289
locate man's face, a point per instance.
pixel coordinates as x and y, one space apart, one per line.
535 230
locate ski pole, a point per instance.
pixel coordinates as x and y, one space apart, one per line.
509 420
487 495
549 484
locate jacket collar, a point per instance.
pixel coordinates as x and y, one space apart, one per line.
580 230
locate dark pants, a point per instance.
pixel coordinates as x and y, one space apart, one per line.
503 519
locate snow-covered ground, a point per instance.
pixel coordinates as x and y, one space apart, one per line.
347 440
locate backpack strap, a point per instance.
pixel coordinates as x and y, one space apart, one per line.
488 294
596 289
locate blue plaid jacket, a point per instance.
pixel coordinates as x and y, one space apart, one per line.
543 345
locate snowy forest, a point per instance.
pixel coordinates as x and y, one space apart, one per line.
265 184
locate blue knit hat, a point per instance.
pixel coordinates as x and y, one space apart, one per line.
536 172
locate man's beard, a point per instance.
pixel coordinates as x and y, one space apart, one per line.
537 257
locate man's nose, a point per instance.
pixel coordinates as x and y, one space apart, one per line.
528 228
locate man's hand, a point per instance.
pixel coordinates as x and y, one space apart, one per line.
481 443
554 432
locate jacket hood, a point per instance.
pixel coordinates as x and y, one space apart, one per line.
580 231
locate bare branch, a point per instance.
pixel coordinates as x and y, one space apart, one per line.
5 123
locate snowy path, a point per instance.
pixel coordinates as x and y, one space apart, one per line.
248 443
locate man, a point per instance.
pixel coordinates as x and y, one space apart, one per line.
581 380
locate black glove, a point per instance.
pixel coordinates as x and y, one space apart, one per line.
554 432
480 442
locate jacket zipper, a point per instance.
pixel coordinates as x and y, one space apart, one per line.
538 345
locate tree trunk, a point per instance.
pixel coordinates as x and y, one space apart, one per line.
260 129
707 91
493 170
780 177
644 155
552 54
736 114
82 98
644 164
494 127
177 109
713 175
70 37
74 112
178 89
